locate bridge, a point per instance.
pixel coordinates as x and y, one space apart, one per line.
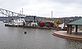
10 13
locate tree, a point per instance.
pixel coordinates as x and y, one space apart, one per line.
57 22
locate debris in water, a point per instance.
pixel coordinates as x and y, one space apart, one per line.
25 32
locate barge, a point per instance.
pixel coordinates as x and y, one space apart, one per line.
22 23
28 26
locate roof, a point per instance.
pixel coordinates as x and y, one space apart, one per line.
77 22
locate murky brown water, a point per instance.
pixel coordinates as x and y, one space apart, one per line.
14 38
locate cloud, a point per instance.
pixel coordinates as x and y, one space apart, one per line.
68 1
60 8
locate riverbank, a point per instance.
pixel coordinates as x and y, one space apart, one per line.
63 34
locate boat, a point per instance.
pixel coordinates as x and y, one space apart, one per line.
22 23
16 22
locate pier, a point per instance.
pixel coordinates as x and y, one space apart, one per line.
63 34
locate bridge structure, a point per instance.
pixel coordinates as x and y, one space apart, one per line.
10 13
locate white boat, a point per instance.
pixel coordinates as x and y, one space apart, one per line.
19 21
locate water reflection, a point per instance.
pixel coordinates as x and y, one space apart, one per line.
14 38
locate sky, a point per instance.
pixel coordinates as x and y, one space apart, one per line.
43 8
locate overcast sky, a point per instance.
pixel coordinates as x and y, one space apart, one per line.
43 8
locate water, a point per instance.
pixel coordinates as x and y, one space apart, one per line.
14 38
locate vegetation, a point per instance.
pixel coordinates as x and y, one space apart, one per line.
57 22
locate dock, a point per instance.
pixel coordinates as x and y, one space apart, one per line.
63 34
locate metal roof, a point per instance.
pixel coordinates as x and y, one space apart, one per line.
77 22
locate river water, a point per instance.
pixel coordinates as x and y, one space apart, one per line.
14 38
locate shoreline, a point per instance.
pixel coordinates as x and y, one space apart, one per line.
64 35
